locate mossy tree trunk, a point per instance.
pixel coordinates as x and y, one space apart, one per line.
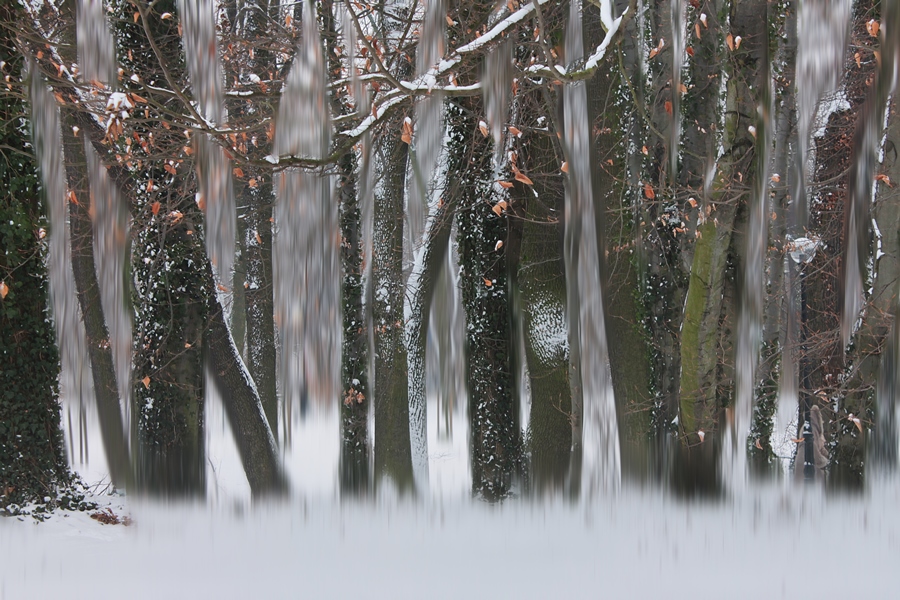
706 354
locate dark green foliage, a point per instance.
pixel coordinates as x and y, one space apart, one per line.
32 463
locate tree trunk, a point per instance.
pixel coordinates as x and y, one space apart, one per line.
169 302
78 200
255 442
858 406
540 279
255 196
87 289
32 451
629 354
393 454
706 328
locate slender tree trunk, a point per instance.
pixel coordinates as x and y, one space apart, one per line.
393 455
775 371
255 194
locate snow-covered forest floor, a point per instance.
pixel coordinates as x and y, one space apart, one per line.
783 540
771 543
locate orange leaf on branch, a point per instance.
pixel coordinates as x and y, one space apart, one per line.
520 176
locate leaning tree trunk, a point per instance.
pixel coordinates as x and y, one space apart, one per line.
822 359
707 315
862 400
78 201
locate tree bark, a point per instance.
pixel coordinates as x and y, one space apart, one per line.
256 444
393 454
87 289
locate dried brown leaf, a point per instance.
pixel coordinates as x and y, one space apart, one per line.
523 178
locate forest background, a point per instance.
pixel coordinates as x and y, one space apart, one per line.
658 223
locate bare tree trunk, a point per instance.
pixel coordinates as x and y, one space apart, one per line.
630 353
393 454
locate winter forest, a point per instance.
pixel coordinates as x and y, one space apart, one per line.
593 246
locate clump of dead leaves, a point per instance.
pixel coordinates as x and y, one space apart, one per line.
108 517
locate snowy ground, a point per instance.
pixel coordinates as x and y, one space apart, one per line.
780 544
